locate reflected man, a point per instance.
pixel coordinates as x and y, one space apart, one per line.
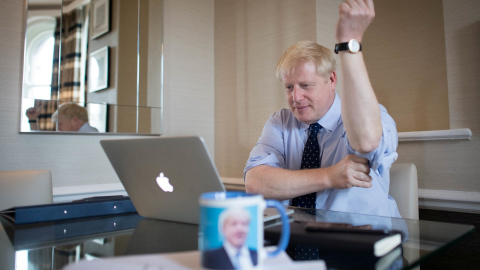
69 117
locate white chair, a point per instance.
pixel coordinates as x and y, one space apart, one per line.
404 188
23 188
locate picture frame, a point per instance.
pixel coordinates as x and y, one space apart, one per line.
98 69
100 18
98 116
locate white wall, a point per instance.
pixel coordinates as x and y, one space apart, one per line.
189 76
454 165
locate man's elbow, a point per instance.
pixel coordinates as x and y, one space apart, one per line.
249 183
367 147
252 182
367 143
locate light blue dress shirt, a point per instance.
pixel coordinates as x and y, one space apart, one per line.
283 139
87 128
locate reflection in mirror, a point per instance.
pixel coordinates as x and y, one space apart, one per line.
69 251
104 55
96 117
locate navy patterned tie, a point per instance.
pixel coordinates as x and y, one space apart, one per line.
310 160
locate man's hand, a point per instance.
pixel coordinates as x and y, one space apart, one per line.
355 17
33 112
351 171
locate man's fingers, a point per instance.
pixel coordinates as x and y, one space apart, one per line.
364 168
370 5
362 176
358 159
353 4
344 8
363 184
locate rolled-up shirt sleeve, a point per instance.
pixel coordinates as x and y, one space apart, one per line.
382 158
269 149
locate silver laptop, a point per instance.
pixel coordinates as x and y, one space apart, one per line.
164 176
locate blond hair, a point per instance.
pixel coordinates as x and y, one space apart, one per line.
306 51
71 110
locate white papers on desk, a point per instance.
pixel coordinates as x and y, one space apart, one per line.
182 260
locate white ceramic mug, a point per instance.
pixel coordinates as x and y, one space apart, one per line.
231 230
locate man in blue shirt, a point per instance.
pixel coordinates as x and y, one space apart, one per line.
357 139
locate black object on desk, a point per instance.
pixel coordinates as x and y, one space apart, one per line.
90 207
351 239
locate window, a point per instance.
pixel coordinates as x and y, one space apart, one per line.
38 65
39 48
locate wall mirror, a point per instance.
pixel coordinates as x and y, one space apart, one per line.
103 55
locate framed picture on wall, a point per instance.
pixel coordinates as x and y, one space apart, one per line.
100 18
98 116
98 69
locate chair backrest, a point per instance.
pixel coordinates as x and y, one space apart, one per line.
404 188
23 188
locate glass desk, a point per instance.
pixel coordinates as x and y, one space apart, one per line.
53 245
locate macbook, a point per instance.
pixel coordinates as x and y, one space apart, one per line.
164 176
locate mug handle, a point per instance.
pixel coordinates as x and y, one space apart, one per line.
285 237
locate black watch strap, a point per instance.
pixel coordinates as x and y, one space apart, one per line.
344 47
341 47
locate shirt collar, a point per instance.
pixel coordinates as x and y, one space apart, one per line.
330 119
231 250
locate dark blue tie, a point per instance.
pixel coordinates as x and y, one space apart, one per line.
310 160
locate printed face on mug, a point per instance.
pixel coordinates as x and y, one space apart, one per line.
231 230
234 224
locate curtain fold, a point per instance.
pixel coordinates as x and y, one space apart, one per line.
66 72
70 71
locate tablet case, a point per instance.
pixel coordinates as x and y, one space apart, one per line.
65 211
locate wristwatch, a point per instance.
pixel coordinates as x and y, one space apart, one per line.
353 46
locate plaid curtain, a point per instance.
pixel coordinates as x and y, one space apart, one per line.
67 88
70 80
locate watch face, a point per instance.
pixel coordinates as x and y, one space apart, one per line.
354 46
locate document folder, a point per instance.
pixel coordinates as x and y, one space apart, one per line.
66 211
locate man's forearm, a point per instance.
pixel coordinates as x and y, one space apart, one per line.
283 184
33 125
360 110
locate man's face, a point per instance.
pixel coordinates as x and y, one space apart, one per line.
308 94
235 229
65 124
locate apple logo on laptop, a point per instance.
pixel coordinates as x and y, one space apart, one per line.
163 183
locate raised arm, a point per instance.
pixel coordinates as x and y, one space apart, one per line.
360 110
32 115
